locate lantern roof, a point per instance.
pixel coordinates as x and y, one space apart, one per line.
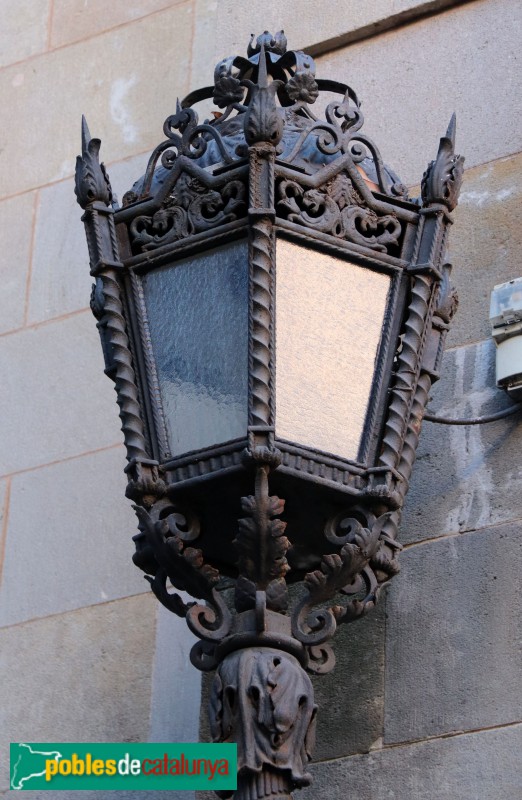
268 97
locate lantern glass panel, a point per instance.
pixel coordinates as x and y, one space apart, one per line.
197 312
329 319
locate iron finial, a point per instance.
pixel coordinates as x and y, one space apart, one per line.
91 180
442 180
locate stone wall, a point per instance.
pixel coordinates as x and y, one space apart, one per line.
425 702
85 652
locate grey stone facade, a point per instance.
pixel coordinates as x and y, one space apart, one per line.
425 702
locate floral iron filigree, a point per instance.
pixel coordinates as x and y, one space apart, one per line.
267 97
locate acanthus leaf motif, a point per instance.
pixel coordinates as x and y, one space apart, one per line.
263 122
344 572
187 571
91 179
261 545
442 180
263 700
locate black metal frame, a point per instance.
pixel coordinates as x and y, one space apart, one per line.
266 172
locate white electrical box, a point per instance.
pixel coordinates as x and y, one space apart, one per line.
506 320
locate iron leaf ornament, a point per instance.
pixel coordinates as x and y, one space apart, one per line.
92 182
442 180
259 512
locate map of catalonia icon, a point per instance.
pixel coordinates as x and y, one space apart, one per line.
29 763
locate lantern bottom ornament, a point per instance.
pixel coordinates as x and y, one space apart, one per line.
262 699
261 696
184 271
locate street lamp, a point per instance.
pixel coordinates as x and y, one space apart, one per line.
272 309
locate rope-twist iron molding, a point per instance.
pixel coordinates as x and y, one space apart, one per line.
406 373
112 234
261 244
150 364
132 425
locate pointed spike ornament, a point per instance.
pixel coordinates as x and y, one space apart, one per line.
452 129
442 180
91 180
86 134
263 122
272 44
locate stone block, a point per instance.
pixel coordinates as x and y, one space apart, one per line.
223 28
485 243
69 539
24 29
15 252
55 398
60 280
174 715
82 676
465 477
76 19
125 81
453 636
411 80
478 766
351 698
4 502
123 174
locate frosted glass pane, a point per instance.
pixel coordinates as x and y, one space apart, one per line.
329 316
198 318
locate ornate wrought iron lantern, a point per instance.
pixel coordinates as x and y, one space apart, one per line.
272 308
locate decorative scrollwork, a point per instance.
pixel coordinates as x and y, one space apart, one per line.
187 571
185 137
202 656
190 208
170 600
259 110
332 136
344 572
322 659
338 209
342 527
211 622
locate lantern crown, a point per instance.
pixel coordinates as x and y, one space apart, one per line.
268 97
